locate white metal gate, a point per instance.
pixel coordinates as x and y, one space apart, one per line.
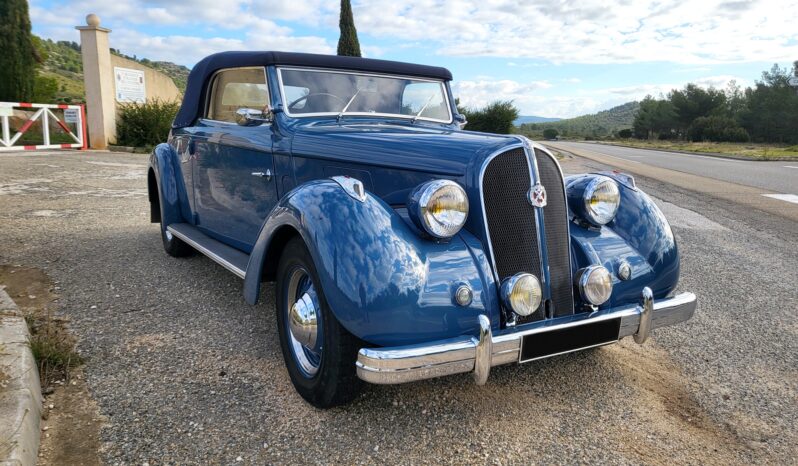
73 114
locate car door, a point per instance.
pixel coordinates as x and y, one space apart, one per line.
234 186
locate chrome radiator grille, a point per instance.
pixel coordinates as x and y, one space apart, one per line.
515 239
555 220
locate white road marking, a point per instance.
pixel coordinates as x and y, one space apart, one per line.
615 157
784 197
790 166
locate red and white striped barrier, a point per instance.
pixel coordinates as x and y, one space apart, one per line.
78 114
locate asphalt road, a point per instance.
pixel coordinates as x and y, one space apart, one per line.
184 371
776 177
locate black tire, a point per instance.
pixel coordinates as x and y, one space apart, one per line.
335 381
173 245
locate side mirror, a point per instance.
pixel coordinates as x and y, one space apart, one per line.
461 120
252 117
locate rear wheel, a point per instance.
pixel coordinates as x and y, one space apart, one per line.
173 245
319 353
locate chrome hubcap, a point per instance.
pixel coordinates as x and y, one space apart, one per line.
303 322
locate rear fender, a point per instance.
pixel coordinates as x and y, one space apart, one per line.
171 191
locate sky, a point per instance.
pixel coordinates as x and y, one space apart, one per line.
551 58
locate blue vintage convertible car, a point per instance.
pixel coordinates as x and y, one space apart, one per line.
402 246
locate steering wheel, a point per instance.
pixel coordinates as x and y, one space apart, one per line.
305 97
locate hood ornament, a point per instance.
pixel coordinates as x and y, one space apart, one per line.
537 195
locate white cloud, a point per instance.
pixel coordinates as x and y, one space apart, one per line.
256 31
530 99
591 31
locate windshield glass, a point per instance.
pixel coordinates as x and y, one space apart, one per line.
314 92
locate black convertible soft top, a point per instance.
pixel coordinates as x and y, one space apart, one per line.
197 79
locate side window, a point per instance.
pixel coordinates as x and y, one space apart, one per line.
235 89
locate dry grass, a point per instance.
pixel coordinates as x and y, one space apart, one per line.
750 150
52 345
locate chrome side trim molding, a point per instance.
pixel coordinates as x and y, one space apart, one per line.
478 355
207 252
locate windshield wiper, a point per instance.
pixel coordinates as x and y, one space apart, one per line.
346 107
423 108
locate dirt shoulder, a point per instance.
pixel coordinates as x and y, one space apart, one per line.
70 418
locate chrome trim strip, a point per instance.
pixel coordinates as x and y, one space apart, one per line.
466 354
339 71
207 252
543 250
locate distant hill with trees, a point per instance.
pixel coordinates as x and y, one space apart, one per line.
533 119
60 75
601 125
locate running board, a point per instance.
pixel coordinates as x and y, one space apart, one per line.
230 258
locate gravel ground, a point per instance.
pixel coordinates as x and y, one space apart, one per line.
185 372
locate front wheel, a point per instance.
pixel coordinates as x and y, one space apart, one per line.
319 353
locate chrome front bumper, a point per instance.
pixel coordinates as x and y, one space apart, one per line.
478 354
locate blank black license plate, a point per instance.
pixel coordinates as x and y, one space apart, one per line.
542 345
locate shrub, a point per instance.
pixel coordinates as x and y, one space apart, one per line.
148 124
625 133
716 129
550 133
496 117
44 89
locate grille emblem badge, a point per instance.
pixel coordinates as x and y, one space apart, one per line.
537 195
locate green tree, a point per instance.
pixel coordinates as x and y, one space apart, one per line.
550 133
17 54
625 133
771 113
348 44
694 101
655 119
496 117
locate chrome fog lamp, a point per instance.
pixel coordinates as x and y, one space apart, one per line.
521 293
602 199
439 207
595 284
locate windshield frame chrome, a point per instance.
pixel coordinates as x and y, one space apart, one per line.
287 112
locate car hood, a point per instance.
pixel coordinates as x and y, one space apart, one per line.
405 146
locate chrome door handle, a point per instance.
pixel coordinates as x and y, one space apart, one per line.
267 174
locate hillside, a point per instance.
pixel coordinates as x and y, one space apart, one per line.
523 119
62 61
597 125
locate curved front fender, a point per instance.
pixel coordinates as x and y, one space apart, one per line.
640 235
383 282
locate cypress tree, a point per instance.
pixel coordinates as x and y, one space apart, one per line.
17 54
348 44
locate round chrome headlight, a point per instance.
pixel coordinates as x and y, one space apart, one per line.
602 199
521 293
595 284
439 207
